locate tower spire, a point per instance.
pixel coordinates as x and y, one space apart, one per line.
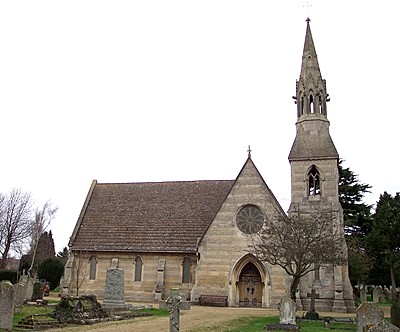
311 93
312 139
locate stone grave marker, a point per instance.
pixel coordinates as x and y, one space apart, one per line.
173 305
368 314
6 305
114 295
287 316
19 297
375 294
38 291
29 289
363 295
287 311
383 326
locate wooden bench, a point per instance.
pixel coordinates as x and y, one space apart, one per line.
213 300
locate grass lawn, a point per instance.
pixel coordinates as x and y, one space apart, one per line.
29 310
256 324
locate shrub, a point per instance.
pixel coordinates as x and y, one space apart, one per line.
10 275
51 269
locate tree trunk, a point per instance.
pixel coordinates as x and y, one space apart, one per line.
395 307
294 286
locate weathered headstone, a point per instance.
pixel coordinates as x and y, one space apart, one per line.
19 297
114 290
38 291
29 289
383 326
363 295
173 305
6 305
376 293
368 314
287 311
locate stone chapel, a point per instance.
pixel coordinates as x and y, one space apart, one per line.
195 235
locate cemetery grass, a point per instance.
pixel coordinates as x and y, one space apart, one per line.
256 324
29 310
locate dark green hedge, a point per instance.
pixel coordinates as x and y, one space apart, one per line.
10 275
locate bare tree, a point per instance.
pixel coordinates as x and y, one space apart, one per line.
43 218
80 270
300 244
15 221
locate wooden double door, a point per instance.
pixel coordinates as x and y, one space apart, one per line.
250 287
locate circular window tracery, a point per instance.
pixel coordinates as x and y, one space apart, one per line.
249 219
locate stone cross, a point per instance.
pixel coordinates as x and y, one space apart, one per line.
313 297
173 305
368 314
6 305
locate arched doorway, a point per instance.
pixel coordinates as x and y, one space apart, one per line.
250 286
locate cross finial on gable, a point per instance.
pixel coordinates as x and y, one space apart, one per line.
249 152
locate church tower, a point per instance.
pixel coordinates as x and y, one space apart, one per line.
315 179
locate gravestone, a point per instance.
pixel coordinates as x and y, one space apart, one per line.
114 290
19 297
363 295
383 326
287 311
173 305
38 291
29 289
375 294
6 305
368 314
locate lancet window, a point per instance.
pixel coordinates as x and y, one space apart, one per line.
138 268
92 268
314 181
186 270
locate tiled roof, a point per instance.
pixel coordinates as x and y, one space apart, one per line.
152 216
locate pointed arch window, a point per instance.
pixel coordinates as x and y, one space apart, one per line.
92 268
186 270
314 181
311 105
138 269
320 109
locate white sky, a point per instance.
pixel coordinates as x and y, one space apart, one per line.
132 91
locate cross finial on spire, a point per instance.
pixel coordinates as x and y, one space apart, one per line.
249 152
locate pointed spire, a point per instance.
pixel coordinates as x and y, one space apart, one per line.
313 140
311 96
309 63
